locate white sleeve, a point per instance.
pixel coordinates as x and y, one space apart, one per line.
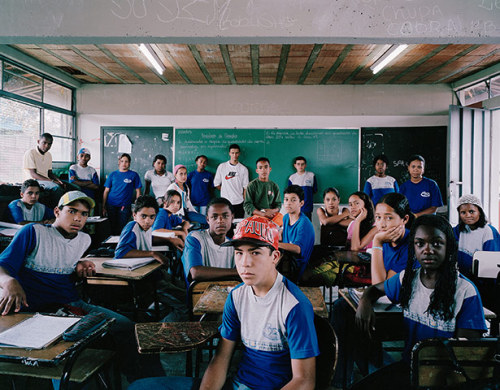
218 176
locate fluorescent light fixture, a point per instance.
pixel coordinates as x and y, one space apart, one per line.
153 59
387 57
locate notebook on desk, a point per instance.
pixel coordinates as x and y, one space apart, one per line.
36 332
128 263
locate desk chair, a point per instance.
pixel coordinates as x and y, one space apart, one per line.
438 363
327 359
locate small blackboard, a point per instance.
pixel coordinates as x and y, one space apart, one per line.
398 144
146 143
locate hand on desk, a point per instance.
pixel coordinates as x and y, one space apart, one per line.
12 295
85 268
177 242
159 257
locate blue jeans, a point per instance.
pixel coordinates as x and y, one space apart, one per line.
201 209
180 383
118 216
193 216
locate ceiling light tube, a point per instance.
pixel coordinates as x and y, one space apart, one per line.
153 59
387 57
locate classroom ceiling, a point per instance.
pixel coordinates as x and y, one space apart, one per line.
265 64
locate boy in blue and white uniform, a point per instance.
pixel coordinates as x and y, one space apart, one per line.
298 231
201 183
84 175
380 184
307 181
28 209
268 313
36 273
422 193
136 239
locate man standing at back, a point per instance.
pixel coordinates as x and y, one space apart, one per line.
37 164
231 179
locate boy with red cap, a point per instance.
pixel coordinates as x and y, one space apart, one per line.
269 314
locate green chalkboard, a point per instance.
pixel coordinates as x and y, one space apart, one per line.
146 143
332 154
398 144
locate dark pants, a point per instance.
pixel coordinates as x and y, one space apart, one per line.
239 211
118 216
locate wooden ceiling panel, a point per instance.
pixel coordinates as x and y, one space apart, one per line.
187 62
267 64
240 60
212 57
297 59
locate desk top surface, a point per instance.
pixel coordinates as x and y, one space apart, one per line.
214 298
136 274
348 257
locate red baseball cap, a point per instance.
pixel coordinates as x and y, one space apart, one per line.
256 230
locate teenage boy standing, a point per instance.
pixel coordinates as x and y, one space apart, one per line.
231 179
307 181
380 184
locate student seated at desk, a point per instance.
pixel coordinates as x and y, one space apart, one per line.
203 257
28 209
333 222
473 233
167 217
390 256
269 314
136 239
262 196
437 301
360 231
297 235
36 274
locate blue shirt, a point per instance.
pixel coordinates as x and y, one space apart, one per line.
471 241
376 187
122 186
273 329
20 213
42 261
133 237
165 220
422 195
200 183
301 233
396 257
421 325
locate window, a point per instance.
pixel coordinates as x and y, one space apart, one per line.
479 91
31 104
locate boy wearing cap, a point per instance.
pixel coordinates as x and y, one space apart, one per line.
83 174
28 209
36 272
262 197
269 314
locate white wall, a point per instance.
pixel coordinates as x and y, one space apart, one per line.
257 107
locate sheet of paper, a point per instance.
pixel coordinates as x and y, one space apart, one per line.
36 332
10 225
9 232
112 240
156 233
124 144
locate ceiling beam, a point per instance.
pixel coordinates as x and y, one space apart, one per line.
135 48
336 64
227 62
452 59
26 60
254 56
369 58
174 63
310 62
474 78
96 64
285 50
111 56
201 64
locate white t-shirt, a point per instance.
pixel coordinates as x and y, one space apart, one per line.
233 179
41 163
159 183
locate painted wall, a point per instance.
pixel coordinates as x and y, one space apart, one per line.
256 107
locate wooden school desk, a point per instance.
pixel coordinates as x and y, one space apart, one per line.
213 299
64 360
132 280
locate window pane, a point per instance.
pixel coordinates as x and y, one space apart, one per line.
19 129
1 64
56 94
62 149
57 124
22 82
476 93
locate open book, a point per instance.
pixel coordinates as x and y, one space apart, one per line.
36 332
128 263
